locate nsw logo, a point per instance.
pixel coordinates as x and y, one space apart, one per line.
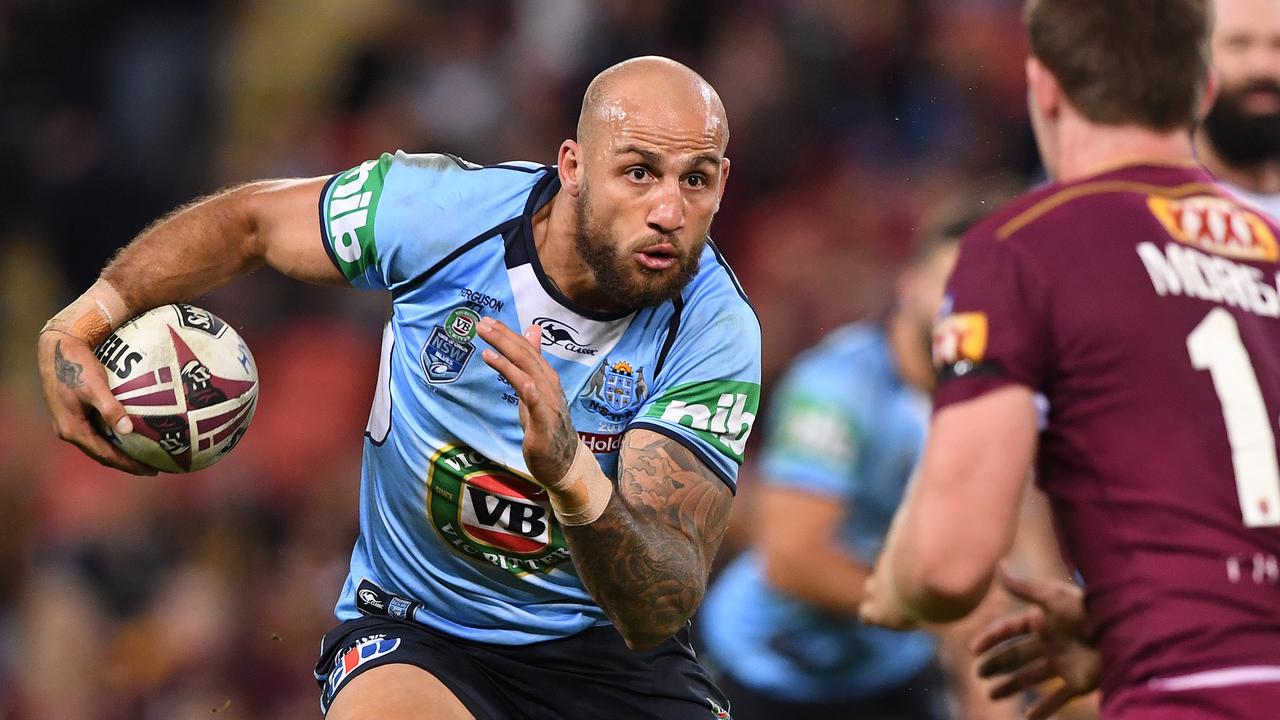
615 390
556 333
450 346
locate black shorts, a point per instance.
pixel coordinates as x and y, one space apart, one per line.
589 675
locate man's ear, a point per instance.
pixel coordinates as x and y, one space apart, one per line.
569 163
1044 89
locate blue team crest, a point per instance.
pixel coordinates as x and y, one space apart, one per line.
615 390
449 347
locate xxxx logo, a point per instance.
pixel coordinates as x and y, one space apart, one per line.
492 515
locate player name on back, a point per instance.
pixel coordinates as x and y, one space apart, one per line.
1207 229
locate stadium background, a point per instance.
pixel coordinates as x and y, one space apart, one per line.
173 597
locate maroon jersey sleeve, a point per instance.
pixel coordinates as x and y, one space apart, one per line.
993 329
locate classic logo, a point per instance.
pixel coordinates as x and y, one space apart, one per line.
450 346
960 337
490 514
555 332
615 390
1216 225
721 411
200 319
371 598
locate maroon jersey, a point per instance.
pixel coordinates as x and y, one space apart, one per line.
1142 305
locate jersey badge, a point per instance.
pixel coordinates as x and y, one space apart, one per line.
960 338
491 515
615 390
450 346
1216 225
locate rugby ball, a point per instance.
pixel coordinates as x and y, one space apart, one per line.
188 382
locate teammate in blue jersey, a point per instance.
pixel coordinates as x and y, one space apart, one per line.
845 433
567 385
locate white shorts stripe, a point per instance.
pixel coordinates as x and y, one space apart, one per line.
1226 677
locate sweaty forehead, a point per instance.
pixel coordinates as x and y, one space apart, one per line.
666 111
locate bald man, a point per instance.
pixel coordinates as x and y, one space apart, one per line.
1240 139
566 388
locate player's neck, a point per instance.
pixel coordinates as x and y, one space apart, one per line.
1263 178
1086 149
910 353
554 227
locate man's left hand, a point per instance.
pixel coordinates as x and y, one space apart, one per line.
550 440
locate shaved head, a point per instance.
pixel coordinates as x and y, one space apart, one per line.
659 89
645 176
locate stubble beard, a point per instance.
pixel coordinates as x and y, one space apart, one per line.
619 277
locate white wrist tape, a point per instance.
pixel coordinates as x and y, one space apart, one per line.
92 316
581 496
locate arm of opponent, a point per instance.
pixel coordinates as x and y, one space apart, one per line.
960 514
194 250
643 552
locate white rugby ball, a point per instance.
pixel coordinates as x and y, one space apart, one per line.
188 382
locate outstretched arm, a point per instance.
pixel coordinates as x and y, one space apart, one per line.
192 251
643 551
960 513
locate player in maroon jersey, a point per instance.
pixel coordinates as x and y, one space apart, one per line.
1120 328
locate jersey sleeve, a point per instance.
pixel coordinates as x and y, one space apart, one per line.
389 220
994 327
707 394
812 440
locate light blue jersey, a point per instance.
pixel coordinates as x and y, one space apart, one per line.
845 426
453 533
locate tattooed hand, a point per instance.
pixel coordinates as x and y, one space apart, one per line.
549 438
75 384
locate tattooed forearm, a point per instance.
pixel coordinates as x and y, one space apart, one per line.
645 561
68 372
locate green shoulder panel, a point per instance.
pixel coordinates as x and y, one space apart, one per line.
348 211
721 412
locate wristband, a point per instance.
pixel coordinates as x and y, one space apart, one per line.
581 496
92 316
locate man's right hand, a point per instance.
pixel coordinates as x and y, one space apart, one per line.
74 385
1046 640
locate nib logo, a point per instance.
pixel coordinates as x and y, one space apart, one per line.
723 412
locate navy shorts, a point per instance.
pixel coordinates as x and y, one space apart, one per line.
589 675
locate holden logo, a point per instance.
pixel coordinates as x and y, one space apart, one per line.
557 333
369 597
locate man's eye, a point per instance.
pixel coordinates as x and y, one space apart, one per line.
638 173
696 181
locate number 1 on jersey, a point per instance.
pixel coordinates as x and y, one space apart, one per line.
1215 345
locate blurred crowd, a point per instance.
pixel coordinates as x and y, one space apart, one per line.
181 597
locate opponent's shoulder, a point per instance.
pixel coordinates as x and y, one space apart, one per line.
1063 209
